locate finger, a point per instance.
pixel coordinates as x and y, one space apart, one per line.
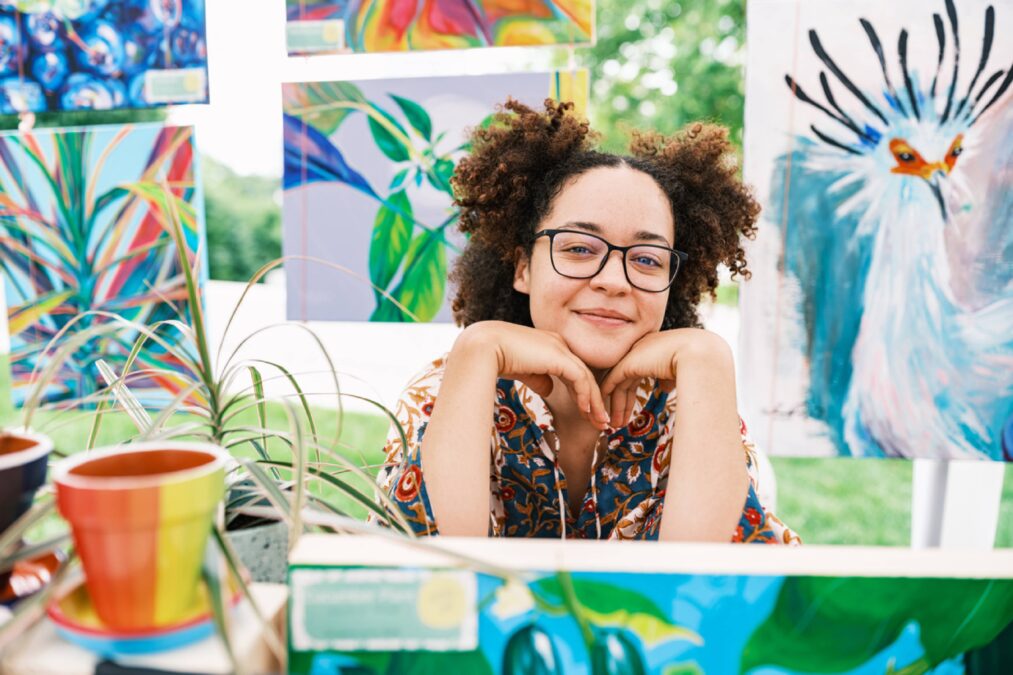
616 405
576 382
622 417
591 402
631 401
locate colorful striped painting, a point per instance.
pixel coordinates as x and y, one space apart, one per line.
322 26
367 187
86 233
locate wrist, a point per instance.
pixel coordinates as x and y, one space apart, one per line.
478 345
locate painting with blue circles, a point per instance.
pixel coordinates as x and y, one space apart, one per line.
60 55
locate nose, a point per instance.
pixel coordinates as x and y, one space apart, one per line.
612 277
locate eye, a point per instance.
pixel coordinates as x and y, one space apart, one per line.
956 152
905 157
647 261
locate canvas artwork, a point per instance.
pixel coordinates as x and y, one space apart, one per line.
367 188
374 618
86 227
101 54
322 26
879 319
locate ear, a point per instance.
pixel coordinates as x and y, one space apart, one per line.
522 271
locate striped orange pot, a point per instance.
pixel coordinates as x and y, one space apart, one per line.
140 516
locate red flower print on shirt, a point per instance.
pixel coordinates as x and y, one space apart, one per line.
507 493
408 486
753 516
660 455
642 423
505 419
742 427
739 534
427 408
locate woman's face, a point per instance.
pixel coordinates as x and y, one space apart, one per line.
625 207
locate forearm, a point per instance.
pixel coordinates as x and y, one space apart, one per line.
455 446
708 482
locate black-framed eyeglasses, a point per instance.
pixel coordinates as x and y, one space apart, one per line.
581 255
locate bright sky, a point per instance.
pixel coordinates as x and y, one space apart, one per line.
247 63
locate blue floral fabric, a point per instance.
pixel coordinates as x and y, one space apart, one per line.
528 491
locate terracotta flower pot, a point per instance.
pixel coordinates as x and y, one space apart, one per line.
23 459
140 516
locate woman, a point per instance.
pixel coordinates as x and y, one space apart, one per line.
554 414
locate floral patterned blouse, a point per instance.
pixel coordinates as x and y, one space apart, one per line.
527 489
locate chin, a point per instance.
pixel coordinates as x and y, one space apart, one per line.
599 355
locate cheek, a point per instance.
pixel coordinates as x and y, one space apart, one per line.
550 294
652 310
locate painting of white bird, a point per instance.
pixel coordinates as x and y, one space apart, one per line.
884 325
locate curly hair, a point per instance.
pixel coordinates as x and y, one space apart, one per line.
521 162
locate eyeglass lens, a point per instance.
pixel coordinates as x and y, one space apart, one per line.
579 255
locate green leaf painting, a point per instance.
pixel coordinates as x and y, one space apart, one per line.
345 141
829 625
691 624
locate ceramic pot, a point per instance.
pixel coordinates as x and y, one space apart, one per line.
23 459
140 516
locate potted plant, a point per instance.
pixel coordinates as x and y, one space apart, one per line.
281 471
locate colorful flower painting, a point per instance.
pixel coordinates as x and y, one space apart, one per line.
599 623
879 318
367 188
320 26
89 218
101 54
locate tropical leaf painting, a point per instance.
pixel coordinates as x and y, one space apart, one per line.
86 232
367 188
395 25
690 624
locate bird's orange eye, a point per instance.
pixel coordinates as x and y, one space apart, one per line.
956 149
909 161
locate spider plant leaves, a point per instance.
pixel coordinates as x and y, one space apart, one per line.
310 157
831 624
392 233
274 642
346 489
416 116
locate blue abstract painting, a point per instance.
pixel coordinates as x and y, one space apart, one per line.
879 321
101 54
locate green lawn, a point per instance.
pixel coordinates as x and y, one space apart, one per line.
828 501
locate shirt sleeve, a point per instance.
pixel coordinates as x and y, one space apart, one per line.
758 525
400 478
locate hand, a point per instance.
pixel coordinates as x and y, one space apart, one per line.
533 357
657 355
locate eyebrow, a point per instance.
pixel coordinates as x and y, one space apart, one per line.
642 235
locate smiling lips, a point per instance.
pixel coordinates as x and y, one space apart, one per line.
604 318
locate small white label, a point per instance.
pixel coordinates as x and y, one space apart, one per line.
176 85
315 37
383 610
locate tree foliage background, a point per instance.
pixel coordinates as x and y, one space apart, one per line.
660 64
